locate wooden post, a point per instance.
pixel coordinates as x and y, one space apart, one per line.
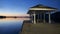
34 17
41 17
38 18
31 15
44 17
49 18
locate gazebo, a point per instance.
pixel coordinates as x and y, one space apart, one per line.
40 9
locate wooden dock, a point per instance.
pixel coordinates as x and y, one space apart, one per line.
40 28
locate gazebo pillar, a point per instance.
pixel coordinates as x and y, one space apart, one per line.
31 15
41 16
44 17
49 18
34 17
37 17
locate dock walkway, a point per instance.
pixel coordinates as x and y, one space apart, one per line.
29 28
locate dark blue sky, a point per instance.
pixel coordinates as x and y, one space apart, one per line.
21 6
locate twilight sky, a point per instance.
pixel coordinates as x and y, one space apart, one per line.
20 7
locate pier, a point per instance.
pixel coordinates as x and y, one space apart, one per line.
40 28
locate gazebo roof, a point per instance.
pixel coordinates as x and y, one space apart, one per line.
41 8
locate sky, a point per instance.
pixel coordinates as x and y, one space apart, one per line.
21 7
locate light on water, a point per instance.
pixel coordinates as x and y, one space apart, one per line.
10 25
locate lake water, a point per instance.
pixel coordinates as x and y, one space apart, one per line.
11 25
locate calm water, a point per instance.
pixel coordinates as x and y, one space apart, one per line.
10 25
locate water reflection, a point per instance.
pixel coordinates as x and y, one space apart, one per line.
11 25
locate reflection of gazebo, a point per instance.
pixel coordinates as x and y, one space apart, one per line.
40 9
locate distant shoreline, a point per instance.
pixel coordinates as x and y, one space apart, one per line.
14 17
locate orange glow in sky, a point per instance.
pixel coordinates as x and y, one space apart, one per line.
14 15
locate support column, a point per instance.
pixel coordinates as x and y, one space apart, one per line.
41 17
38 19
49 18
44 17
31 15
34 17
38 16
